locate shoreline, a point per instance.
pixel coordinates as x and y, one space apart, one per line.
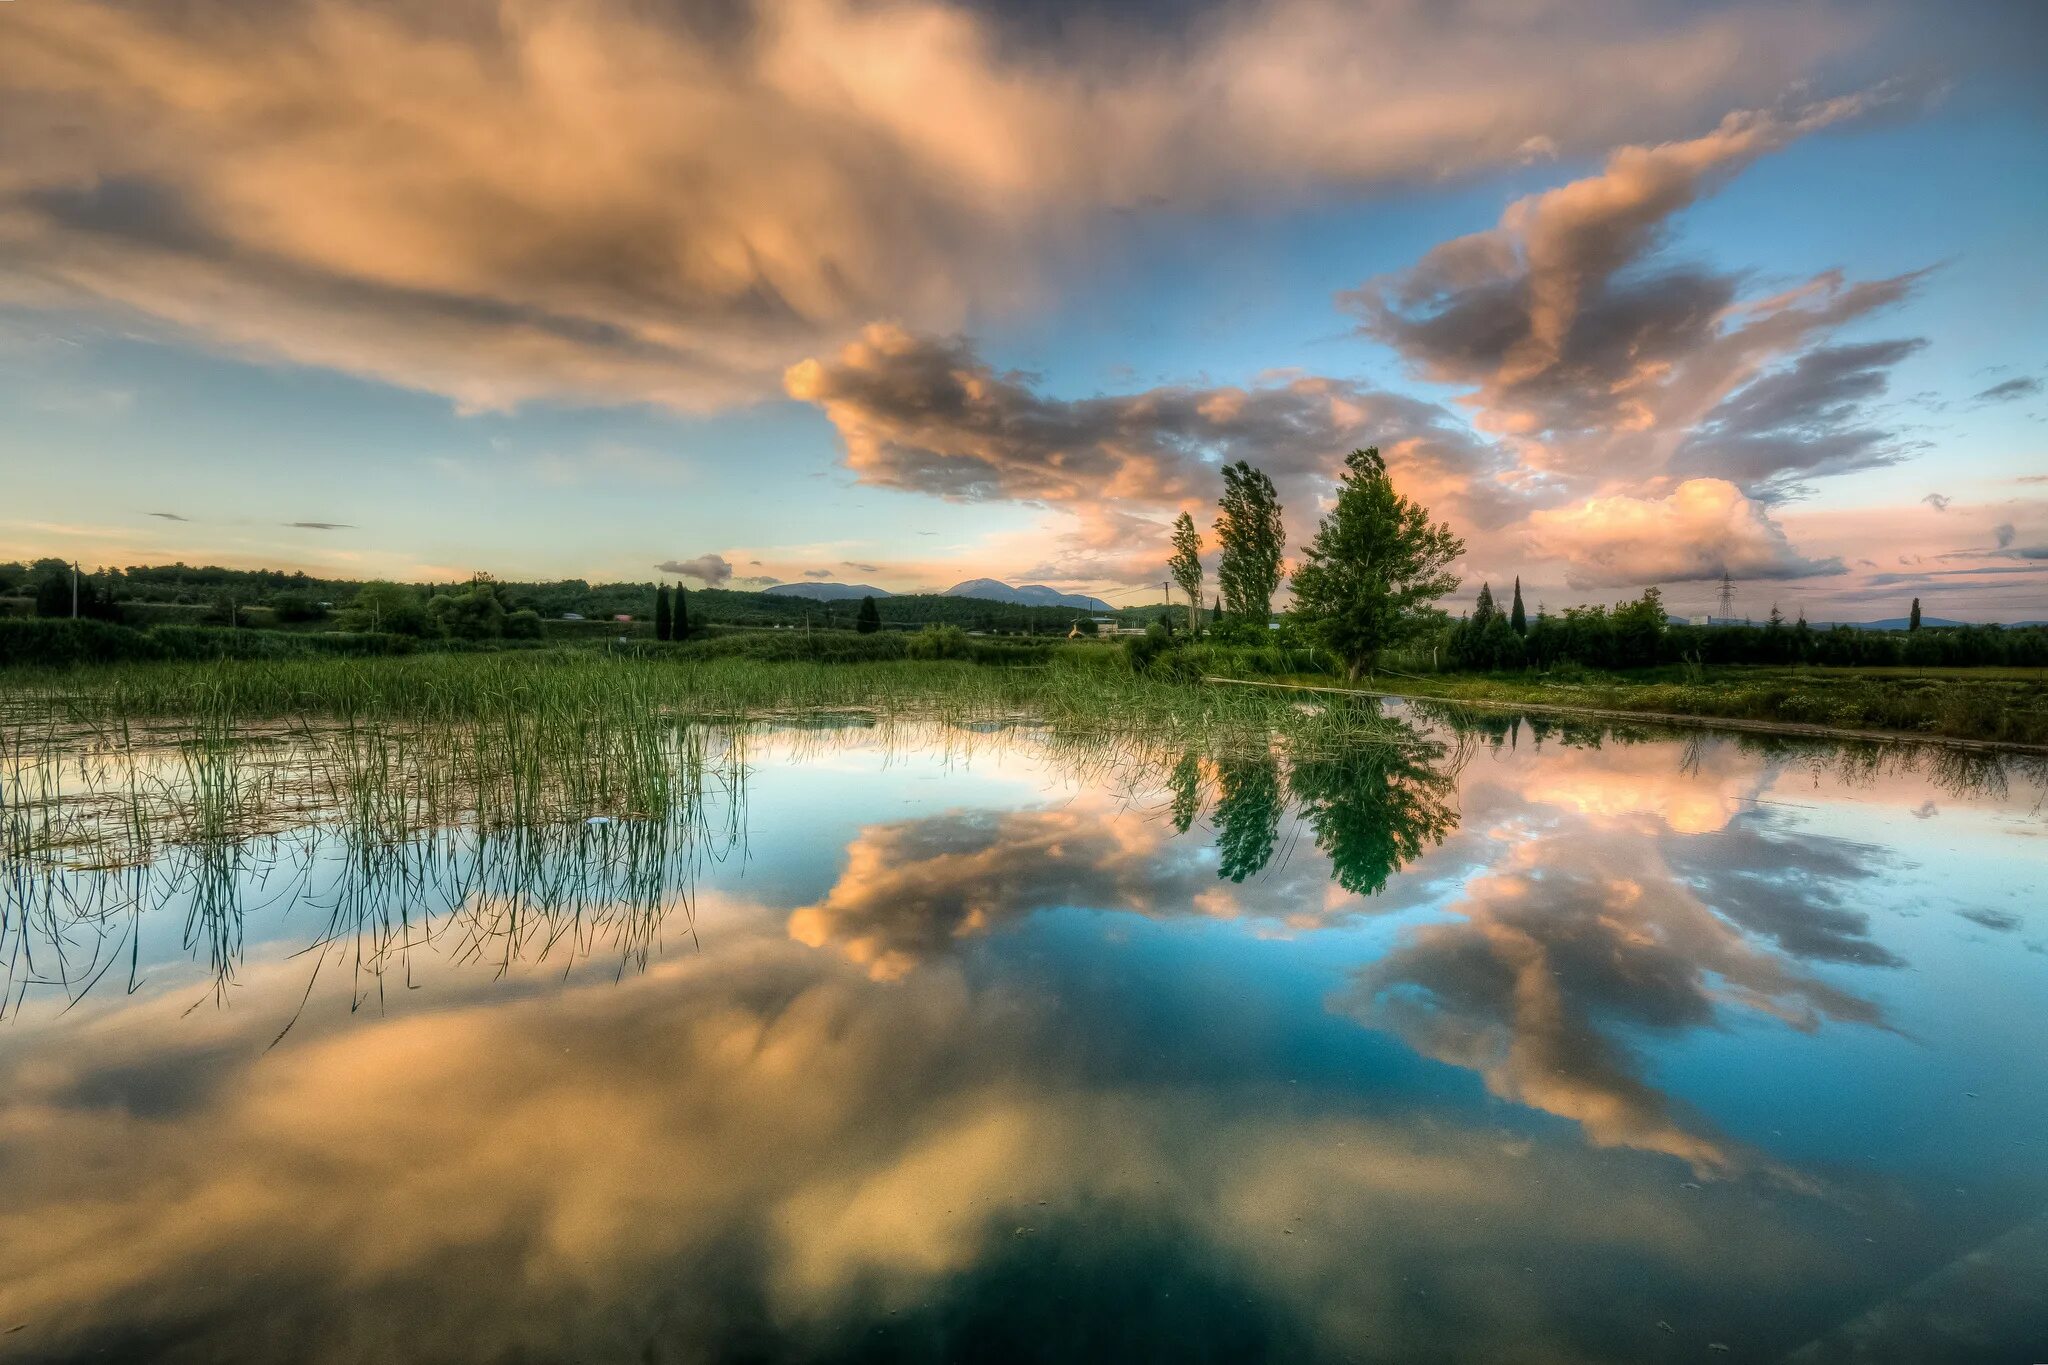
1680 718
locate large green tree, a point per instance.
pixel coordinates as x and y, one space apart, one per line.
1252 538
1377 562
661 616
1186 566
870 619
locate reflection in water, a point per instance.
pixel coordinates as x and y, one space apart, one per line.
1498 1041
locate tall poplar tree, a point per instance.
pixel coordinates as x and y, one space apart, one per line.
1518 618
1186 567
1250 533
679 619
661 617
1913 621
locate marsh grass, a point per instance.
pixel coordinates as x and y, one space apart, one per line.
507 808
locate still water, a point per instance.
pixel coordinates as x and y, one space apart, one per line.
1506 1044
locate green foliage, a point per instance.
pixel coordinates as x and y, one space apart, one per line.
1517 618
679 616
387 609
1377 563
870 618
1185 565
473 615
524 624
1251 536
54 597
1913 620
662 623
939 642
296 608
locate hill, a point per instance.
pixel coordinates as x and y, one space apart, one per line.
825 592
1030 595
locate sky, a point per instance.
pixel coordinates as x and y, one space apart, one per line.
1629 292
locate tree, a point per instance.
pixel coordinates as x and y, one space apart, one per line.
679 616
661 616
1484 610
1376 564
1518 618
388 607
1913 617
870 619
1186 567
473 615
1252 537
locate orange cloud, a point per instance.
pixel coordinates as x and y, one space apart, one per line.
503 199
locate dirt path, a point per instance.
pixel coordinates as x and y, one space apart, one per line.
1767 727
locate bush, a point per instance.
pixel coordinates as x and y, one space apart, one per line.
939 642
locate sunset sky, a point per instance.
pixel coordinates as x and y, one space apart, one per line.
906 293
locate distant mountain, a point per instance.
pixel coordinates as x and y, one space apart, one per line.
824 592
1030 595
1900 623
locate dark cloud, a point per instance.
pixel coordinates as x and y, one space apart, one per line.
1601 360
861 568
169 516
817 573
320 525
2010 391
2004 533
1800 421
1999 920
929 414
1938 501
713 570
724 195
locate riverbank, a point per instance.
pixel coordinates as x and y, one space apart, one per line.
1996 708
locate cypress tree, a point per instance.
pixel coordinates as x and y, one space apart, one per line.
1518 618
679 619
661 617
1484 611
1913 620
870 619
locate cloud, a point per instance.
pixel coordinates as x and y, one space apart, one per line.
1939 502
2004 533
319 525
1598 359
862 568
169 516
817 573
929 414
2010 391
1702 529
713 570
625 202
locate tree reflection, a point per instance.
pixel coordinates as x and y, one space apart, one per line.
1247 815
1375 809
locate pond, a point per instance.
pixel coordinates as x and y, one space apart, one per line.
924 1042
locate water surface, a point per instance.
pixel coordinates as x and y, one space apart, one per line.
1512 1043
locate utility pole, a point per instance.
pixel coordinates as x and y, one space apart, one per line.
1727 596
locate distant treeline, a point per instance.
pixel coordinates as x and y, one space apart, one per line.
214 595
1638 634
44 643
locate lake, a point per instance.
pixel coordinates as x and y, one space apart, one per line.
1494 1041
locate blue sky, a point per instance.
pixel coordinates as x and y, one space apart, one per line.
1745 271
